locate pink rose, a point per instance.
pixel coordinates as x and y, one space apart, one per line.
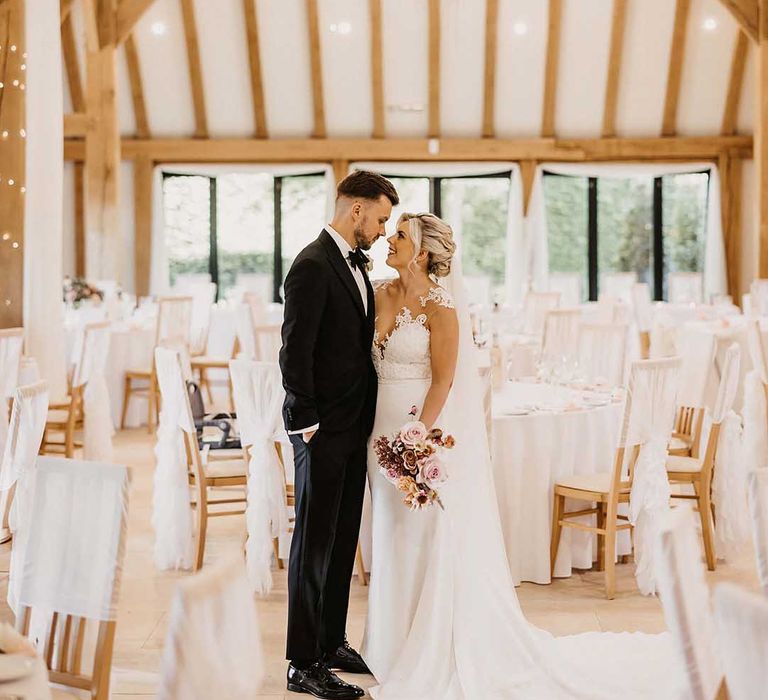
413 432
431 470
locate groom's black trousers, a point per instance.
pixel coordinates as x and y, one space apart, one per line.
329 484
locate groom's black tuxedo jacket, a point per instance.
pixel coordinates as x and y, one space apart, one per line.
325 359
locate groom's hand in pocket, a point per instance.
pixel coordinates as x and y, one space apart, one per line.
308 436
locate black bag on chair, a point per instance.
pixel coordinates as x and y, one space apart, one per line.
225 422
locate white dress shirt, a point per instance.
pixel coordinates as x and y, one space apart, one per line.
345 250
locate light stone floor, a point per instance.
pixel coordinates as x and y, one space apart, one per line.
567 606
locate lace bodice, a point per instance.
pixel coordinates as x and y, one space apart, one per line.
404 352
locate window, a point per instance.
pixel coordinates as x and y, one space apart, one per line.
239 224
476 207
649 226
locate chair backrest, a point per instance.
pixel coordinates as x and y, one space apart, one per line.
741 620
642 306
697 351
174 321
257 306
260 343
203 296
603 352
561 330
72 565
268 343
685 598
757 493
246 336
535 308
11 345
685 287
213 646
568 284
93 353
617 285
757 339
758 299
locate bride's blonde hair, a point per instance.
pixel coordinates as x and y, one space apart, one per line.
432 234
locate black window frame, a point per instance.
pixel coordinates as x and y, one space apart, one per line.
659 268
213 241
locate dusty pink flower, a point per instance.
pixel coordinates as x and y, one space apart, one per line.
431 470
413 432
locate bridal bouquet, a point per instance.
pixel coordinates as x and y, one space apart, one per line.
410 460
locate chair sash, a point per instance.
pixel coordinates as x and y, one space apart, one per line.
171 511
259 395
757 489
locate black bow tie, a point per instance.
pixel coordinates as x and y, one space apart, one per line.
358 259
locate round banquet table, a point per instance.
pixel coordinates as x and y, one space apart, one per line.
541 433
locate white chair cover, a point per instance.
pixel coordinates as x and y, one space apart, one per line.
11 345
174 321
258 308
729 485
757 489
641 305
755 410
685 598
569 286
171 510
758 297
246 335
73 554
259 394
203 297
268 343
697 352
213 647
561 328
603 353
617 285
30 410
535 308
685 287
91 372
652 391
741 620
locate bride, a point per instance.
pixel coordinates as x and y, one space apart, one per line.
444 621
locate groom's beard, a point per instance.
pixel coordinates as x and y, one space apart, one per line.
362 242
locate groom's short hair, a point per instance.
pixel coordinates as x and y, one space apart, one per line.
364 184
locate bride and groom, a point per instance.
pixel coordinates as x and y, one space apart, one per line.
443 621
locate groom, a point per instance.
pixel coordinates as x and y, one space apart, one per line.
330 387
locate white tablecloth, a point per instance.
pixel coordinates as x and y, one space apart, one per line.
31 687
530 452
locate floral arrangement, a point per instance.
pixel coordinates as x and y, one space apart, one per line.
411 461
76 289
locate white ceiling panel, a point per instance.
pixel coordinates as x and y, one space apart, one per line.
521 55
283 38
406 49
706 69
224 59
643 82
345 45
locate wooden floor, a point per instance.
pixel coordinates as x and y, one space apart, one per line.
567 606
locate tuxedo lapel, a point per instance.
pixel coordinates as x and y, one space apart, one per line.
343 270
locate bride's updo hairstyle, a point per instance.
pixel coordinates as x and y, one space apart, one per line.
433 235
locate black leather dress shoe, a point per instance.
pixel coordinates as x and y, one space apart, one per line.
346 659
320 681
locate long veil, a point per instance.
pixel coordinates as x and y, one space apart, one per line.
497 652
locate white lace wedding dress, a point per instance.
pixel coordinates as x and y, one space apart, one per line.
444 622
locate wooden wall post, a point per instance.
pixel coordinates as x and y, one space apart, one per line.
142 215
730 205
761 142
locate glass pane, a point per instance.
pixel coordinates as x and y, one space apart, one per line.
414 199
245 231
625 227
567 210
684 216
476 208
186 211
303 203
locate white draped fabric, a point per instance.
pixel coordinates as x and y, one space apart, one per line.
174 321
757 490
741 619
603 353
203 296
755 411
11 344
685 598
171 510
30 408
516 268
73 555
715 281
246 335
43 240
697 351
258 393
652 392
641 304
159 275
686 288
617 286
213 647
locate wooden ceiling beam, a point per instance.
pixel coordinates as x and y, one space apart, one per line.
433 128
746 13
254 66
612 81
735 83
675 70
554 25
195 68
316 69
129 12
66 9
489 89
328 150
72 65
377 70
137 88
75 124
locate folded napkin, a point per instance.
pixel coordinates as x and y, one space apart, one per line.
11 642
